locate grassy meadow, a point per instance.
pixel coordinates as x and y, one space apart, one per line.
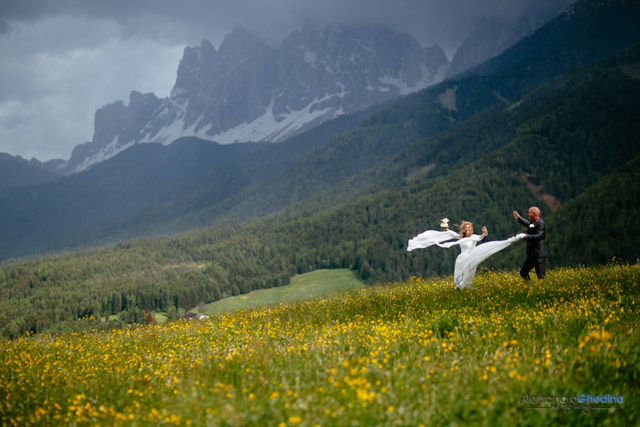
413 353
319 283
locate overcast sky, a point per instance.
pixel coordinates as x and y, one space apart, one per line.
61 60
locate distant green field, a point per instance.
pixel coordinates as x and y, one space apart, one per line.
303 286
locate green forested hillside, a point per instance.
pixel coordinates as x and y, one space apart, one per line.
562 138
575 138
17 172
602 222
587 32
34 217
179 209
255 187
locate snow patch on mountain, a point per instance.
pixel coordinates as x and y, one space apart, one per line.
110 150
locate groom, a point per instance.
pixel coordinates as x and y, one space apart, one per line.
536 249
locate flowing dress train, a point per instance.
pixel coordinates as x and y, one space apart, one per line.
431 237
471 254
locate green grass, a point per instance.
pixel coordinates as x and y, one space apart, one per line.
400 354
319 283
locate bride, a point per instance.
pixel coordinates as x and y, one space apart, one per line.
471 254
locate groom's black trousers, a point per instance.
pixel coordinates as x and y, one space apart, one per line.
533 263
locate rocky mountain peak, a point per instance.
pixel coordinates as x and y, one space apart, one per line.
139 102
108 121
248 91
240 42
193 67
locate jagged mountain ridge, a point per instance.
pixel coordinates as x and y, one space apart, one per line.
249 91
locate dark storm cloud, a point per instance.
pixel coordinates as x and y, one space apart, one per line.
274 19
60 60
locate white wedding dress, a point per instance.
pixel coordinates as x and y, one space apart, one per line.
471 254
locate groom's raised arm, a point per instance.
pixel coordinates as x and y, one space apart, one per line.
521 220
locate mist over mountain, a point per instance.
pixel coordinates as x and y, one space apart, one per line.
490 37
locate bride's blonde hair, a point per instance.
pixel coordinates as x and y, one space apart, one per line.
463 224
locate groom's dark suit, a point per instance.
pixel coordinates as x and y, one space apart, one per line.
536 248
